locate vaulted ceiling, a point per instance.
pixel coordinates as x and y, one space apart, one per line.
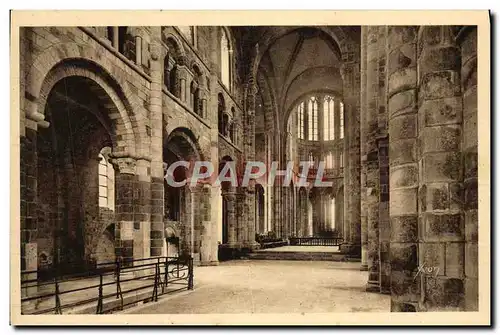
298 60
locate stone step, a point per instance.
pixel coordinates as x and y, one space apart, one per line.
302 256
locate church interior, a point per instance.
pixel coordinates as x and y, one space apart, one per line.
390 112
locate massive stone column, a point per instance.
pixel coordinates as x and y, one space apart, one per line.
28 196
403 175
351 76
249 152
468 40
441 170
384 226
125 182
206 233
373 44
230 198
157 234
363 133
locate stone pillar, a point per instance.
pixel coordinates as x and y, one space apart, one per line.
442 238
383 216
249 152
182 76
157 233
230 198
351 76
115 37
347 181
374 44
141 208
206 234
250 233
195 211
28 198
138 50
470 139
384 226
125 180
241 219
363 133
403 175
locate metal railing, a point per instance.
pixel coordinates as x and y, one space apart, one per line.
114 282
316 241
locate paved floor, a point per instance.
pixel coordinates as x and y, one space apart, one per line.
261 286
301 248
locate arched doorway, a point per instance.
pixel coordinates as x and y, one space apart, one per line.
180 212
75 198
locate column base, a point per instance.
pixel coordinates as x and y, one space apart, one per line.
384 290
353 250
364 267
252 246
373 287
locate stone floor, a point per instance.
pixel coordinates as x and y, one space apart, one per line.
260 286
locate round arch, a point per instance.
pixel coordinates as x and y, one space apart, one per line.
181 141
69 60
170 36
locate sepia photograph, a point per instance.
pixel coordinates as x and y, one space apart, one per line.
263 171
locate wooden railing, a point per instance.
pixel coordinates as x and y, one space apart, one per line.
316 241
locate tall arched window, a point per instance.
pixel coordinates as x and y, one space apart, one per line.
312 114
329 161
328 118
170 68
232 128
341 159
311 159
300 121
221 108
332 213
106 177
225 61
341 125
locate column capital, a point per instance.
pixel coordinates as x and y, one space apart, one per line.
155 49
125 165
34 115
182 71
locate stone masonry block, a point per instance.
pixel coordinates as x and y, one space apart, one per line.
471 260
403 202
455 260
402 80
442 167
443 294
441 111
443 227
403 126
402 102
402 152
403 176
436 85
404 228
441 138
